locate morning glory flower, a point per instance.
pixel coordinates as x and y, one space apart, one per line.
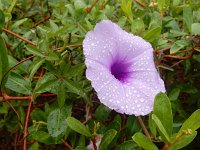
121 69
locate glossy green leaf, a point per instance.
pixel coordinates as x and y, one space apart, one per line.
162 109
195 28
61 94
56 123
193 122
4 64
161 129
19 84
77 126
183 141
143 141
152 34
107 139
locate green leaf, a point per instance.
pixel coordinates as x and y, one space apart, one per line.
162 109
127 145
4 64
196 57
184 141
42 137
161 5
18 84
195 28
36 66
34 146
152 34
46 83
2 20
152 126
161 129
75 88
107 139
81 148
56 123
61 94
77 126
193 122
179 44
187 17
34 50
126 6
102 112
143 141
132 126
174 93
137 25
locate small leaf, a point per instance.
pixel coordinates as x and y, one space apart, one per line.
2 20
178 45
162 109
174 93
184 140
196 28
187 17
56 123
193 122
46 83
19 84
75 88
36 66
161 129
143 141
107 139
61 95
4 64
77 126
126 6
152 34
102 112
132 126
152 126
34 50
127 145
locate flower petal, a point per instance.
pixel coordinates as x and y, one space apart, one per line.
108 40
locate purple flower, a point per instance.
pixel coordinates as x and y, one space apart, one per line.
121 69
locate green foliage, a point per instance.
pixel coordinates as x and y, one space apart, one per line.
65 109
107 139
143 141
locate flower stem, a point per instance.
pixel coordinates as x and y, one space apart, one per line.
143 127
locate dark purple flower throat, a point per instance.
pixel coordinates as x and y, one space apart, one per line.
120 70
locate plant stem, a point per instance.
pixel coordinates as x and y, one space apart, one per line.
143 127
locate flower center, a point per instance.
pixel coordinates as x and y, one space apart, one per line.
120 70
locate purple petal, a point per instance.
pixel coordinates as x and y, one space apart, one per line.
121 69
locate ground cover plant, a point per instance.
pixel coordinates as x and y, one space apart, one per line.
52 85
